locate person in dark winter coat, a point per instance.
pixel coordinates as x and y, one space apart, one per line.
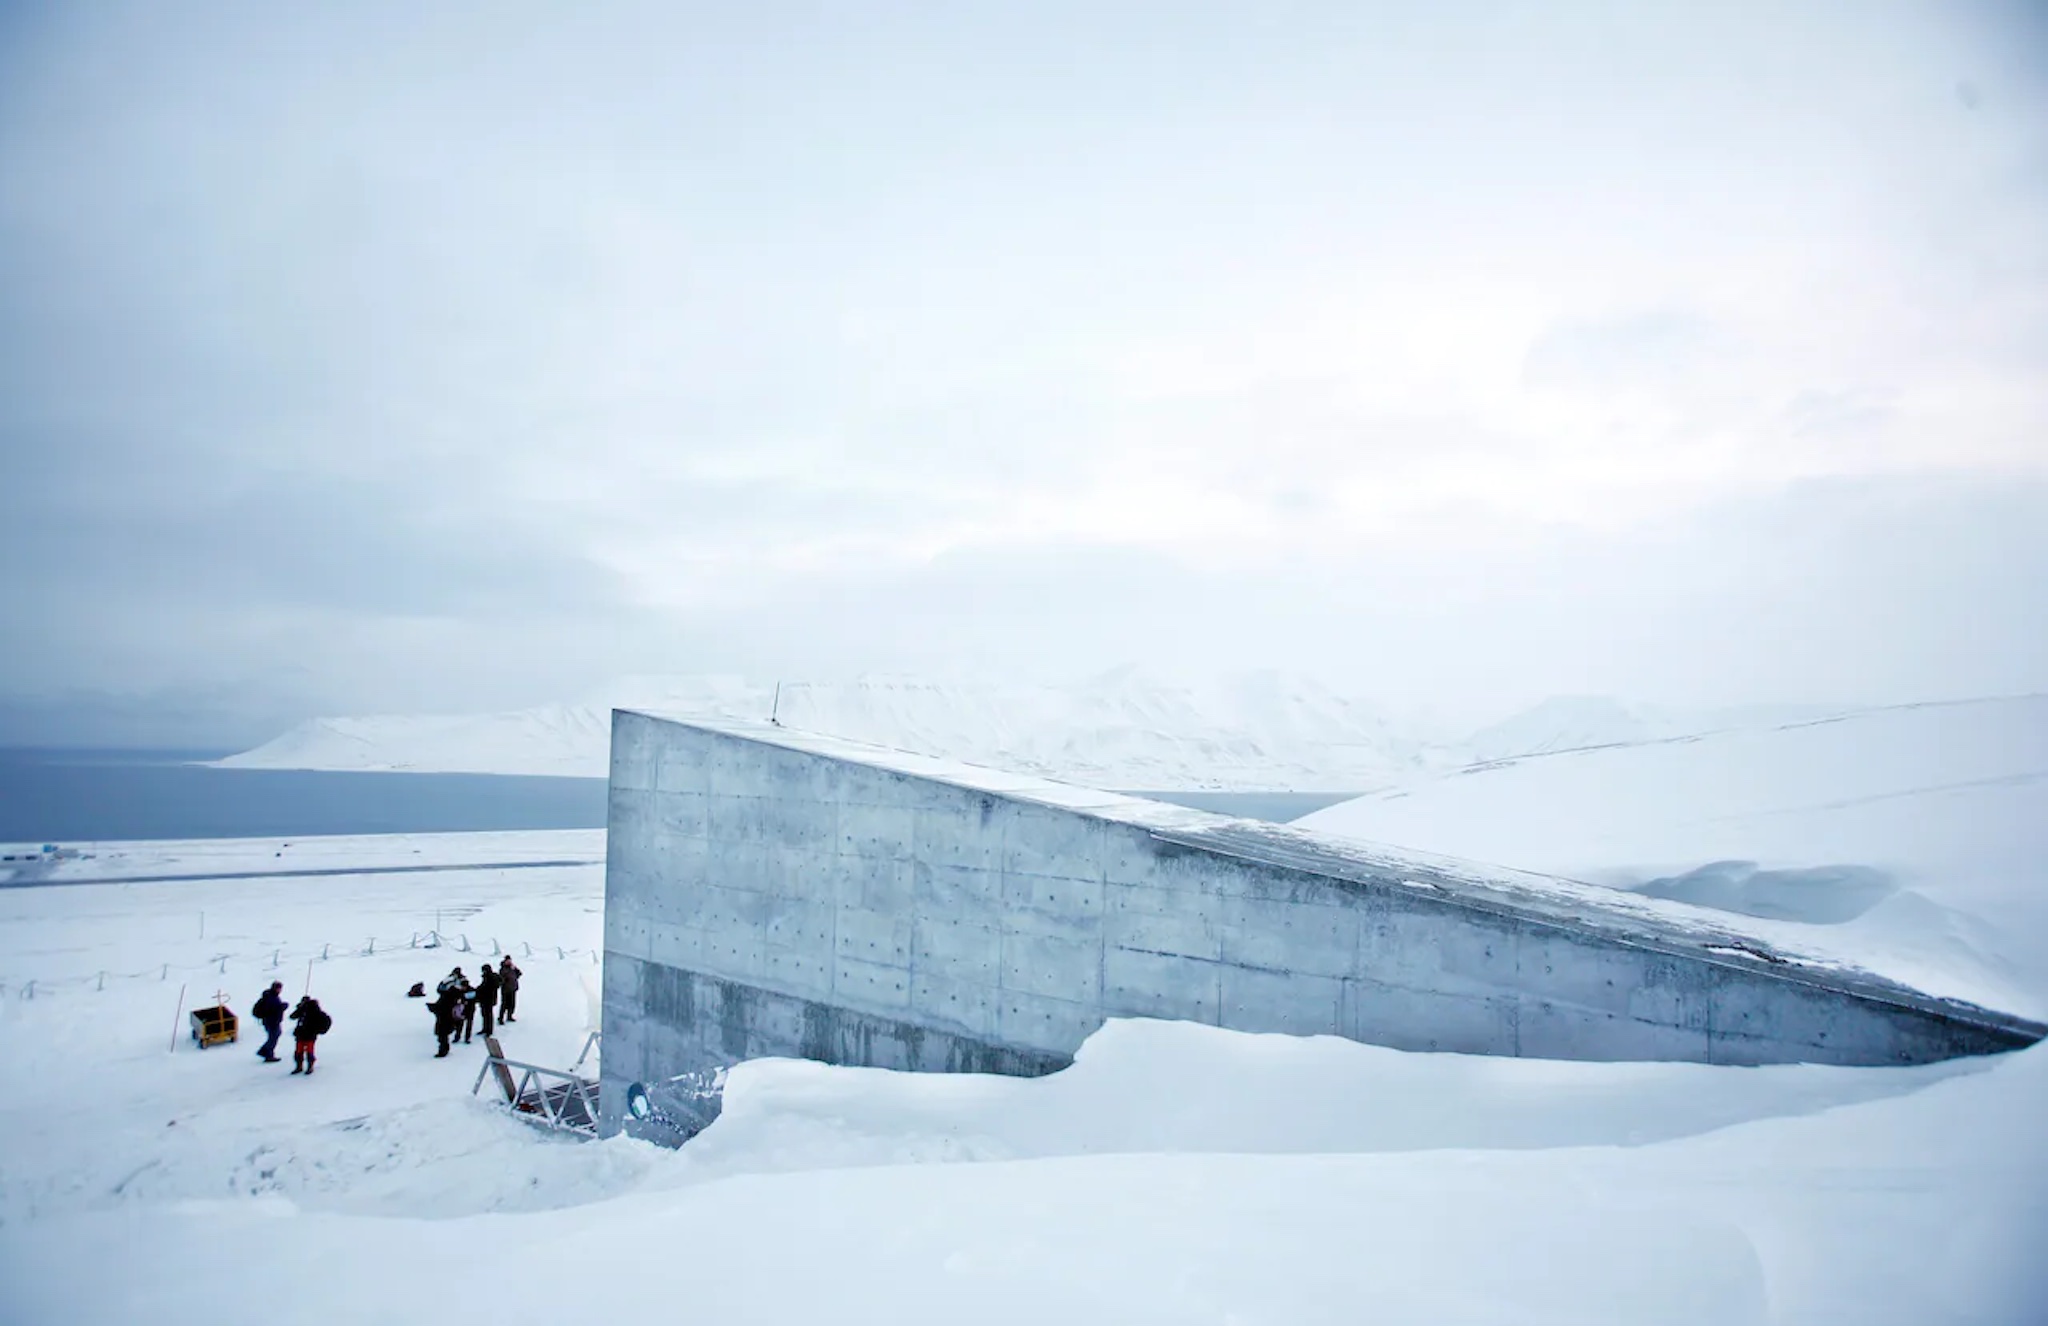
468 993
508 988
309 1023
487 994
269 1010
447 1011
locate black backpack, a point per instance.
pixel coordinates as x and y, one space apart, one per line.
320 1023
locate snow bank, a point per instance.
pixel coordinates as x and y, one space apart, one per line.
1913 840
1145 1086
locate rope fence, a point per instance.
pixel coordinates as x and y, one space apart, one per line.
279 957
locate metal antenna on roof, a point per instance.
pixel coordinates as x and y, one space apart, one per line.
775 711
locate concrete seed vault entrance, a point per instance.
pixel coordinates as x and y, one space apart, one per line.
776 893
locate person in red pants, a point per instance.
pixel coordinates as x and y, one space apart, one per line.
309 1023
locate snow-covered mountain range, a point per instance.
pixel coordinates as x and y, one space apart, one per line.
1265 731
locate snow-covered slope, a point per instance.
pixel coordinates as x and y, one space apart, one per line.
1917 835
1577 722
1265 731
566 740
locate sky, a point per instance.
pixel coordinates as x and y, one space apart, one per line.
390 358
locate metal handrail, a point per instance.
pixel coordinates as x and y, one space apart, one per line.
543 1103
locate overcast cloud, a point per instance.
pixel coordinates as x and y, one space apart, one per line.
379 359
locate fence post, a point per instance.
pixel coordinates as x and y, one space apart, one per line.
166 975
223 964
371 951
103 980
528 947
323 953
176 1018
465 943
559 955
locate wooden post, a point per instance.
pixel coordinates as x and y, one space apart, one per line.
504 1073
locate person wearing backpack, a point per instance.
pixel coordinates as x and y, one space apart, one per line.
447 1011
269 1010
508 988
309 1023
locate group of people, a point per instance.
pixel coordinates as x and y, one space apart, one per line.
309 1023
457 1002
494 994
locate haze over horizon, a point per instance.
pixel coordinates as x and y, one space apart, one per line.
374 361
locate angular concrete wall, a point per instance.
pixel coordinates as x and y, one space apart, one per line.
771 893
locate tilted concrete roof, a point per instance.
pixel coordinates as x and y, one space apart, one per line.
1781 949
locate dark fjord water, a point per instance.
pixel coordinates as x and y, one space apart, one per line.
56 796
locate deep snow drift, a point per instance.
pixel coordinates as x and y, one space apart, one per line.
1175 1173
1913 839
1260 732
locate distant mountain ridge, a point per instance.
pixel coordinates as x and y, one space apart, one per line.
1587 722
1264 731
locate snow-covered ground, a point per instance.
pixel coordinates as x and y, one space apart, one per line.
1263 731
1913 839
1174 1174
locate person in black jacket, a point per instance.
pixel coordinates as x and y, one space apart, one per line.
447 1011
487 994
468 1010
269 1010
508 988
309 1023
